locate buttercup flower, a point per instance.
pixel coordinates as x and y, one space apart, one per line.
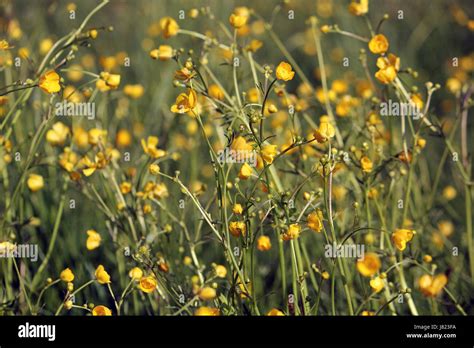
268 153
369 265
207 293
366 164
284 72
185 102
388 68
401 237
150 147
207 311
221 271
49 82
377 284
292 232
315 221
148 284
275 313
431 286
111 80
35 182
245 171
237 209
101 275
169 27
101 311
378 44
57 136
135 273
325 131
67 275
93 240
237 228
163 52
134 91
237 21
264 243
359 8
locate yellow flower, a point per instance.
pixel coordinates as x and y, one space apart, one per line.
240 144
432 286
4 45
366 164
237 228
268 153
93 240
67 275
369 265
237 21
359 8
96 136
111 80
264 243
216 92
49 82
207 293
163 53
446 227
221 271
401 237
378 44
45 45
168 27
325 130
377 284
245 171
154 169
292 232
135 273
123 138
284 72
148 284
185 102
368 313
207 311
35 182
237 209
134 91
453 85
427 258
388 68
101 311
57 135
275 313
315 221
101 275
449 193
150 147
